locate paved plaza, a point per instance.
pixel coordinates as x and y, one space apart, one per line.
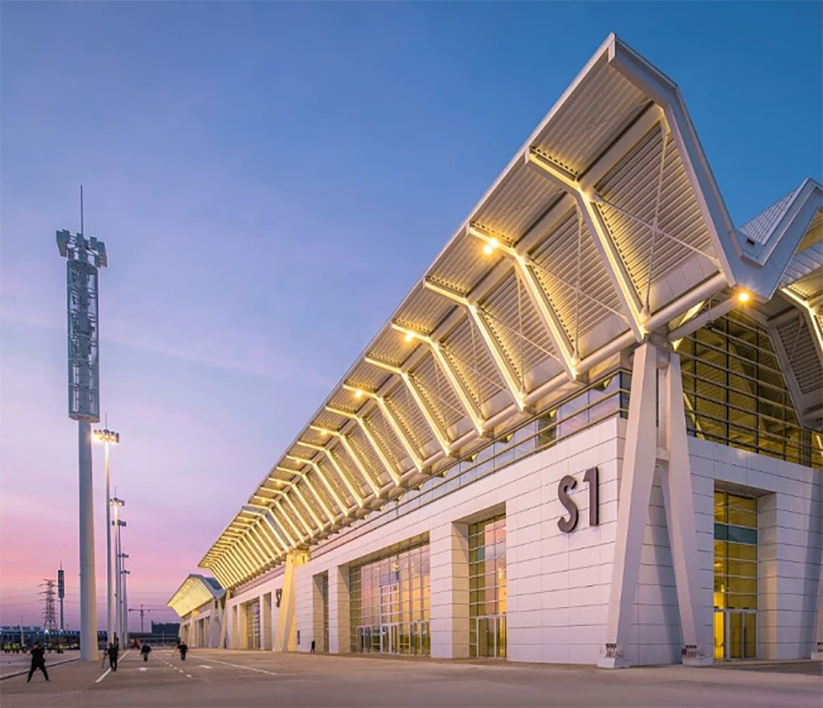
238 678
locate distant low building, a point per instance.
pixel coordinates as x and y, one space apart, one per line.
161 633
28 634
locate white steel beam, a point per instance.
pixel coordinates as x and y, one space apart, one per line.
256 556
504 366
329 488
434 426
221 575
320 524
249 562
609 255
267 539
356 495
350 450
243 563
219 566
239 564
232 562
385 461
254 551
466 401
268 529
229 572
321 502
537 296
394 424
272 504
810 315
270 551
280 530
288 501
287 524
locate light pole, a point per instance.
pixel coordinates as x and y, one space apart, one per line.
116 503
126 573
85 256
108 437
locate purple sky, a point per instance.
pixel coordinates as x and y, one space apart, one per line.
270 179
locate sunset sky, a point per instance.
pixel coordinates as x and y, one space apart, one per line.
270 180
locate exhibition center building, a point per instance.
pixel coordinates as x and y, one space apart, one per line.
591 433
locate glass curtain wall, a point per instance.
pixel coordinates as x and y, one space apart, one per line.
390 603
736 394
487 588
735 576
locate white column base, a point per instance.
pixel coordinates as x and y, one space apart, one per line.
613 662
698 660
817 655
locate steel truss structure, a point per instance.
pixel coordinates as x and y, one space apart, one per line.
605 232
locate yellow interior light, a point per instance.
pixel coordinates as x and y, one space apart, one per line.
743 296
409 336
358 393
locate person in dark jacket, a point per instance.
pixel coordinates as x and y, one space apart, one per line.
38 661
183 648
113 653
145 650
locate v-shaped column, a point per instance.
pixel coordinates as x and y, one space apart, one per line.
639 457
286 637
223 606
678 500
817 647
646 447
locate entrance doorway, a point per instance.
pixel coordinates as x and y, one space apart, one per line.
735 634
390 638
394 638
491 636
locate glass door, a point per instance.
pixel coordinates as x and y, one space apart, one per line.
491 636
735 634
390 638
363 639
742 633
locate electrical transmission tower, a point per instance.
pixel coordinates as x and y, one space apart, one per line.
49 615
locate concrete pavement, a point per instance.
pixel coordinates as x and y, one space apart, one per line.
237 678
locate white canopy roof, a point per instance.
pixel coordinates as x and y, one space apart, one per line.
606 226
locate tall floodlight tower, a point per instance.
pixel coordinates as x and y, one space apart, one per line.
85 256
61 595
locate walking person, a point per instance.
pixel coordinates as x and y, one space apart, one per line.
311 651
145 650
38 661
183 648
113 652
